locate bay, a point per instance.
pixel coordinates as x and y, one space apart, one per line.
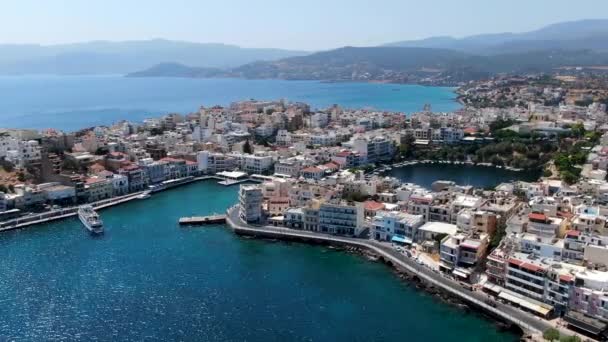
148 279
75 102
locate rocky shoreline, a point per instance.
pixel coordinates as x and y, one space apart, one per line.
419 284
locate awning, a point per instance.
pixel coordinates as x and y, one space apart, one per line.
401 239
460 274
511 298
586 323
493 287
540 308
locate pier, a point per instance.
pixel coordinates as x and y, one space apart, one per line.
201 220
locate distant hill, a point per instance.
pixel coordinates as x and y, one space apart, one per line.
343 63
102 57
415 65
178 70
575 35
392 64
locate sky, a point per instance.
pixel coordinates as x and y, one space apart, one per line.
291 24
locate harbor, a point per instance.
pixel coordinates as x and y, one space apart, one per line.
197 277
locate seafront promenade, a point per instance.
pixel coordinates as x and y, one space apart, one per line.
527 322
62 213
58 214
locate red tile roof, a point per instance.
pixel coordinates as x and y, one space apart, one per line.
574 233
373 205
537 217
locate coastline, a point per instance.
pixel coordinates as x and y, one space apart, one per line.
423 278
451 162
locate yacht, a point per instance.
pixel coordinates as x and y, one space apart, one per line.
90 219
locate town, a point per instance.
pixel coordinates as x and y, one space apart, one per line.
540 246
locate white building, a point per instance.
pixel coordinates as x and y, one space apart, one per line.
250 203
341 219
399 226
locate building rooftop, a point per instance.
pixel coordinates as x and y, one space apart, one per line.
439 227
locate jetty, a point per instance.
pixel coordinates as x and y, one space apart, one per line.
200 220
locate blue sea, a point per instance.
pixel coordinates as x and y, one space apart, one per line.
148 279
73 102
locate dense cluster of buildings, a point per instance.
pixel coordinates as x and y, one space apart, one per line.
540 245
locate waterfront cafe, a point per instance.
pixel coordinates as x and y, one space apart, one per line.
525 303
231 177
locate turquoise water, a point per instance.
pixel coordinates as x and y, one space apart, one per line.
478 176
74 102
148 279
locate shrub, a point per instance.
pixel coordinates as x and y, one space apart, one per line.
551 334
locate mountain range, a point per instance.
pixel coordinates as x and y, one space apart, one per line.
584 34
444 60
103 57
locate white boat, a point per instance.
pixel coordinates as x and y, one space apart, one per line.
144 195
90 219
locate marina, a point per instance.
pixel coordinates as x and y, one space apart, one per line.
193 279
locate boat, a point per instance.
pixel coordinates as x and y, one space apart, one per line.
144 195
90 219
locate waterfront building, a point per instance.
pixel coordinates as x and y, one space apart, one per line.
58 194
373 149
136 177
257 164
342 218
430 231
461 253
395 226
98 188
250 203
211 163
294 218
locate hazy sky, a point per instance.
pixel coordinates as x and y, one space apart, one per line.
301 24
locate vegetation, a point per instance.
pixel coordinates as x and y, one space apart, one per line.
355 197
6 165
247 148
365 168
551 334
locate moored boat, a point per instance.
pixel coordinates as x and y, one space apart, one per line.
90 219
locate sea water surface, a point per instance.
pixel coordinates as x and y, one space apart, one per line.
147 279
75 102
475 175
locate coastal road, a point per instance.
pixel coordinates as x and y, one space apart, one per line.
525 320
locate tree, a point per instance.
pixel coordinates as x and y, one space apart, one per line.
570 339
551 334
578 130
247 148
569 177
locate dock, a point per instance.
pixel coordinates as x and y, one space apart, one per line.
200 220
